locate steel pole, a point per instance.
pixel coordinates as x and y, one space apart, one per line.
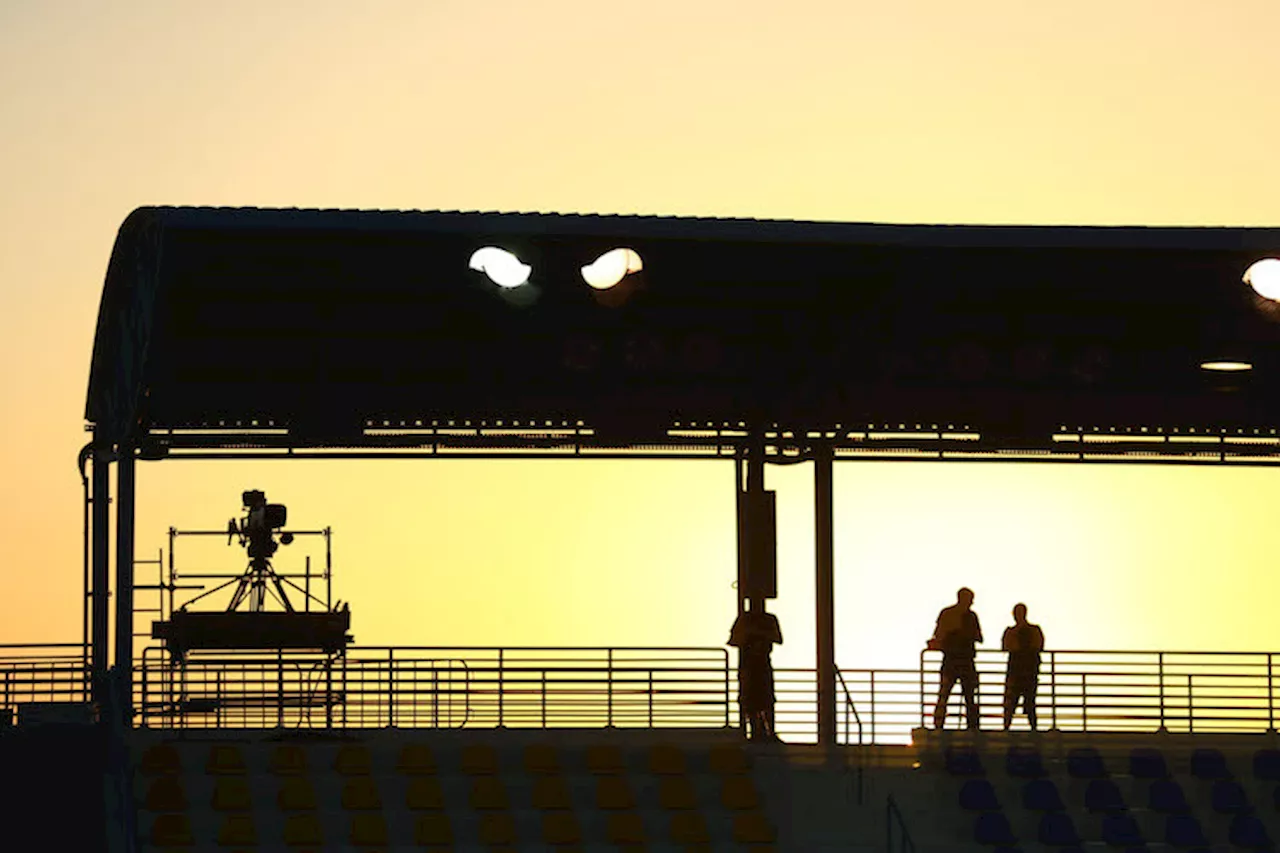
125 480
824 592
101 568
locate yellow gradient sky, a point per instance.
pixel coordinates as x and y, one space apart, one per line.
1117 112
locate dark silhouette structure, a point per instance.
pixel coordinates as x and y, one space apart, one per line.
754 634
349 334
956 635
1024 642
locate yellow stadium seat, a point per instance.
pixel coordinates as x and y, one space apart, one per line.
479 759
161 758
433 830
605 760
416 759
689 828
237 830
738 793
302 830
613 793
359 793
497 828
231 794
559 828
353 759
728 760
677 793
667 760
296 795
424 794
288 759
488 793
224 760
752 828
166 794
551 793
171 830
368 830
541 759
625 828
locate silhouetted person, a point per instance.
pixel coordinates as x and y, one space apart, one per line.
1024 642
956 634
754 633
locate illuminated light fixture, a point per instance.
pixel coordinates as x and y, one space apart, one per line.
1264 277
1226 365
502 267
611 268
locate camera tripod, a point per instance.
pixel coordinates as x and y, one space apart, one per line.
253 587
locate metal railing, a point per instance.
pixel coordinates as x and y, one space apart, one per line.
49 672
1192 692
857 770
441 688
895 829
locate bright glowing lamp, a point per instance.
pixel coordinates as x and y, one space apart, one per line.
611 267
1226 365
502 267
1264 277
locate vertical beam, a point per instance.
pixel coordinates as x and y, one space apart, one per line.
124 579
824 592
101 586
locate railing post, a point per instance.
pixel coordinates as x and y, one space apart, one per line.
435 693
544 697
922 700
328 694
1053 691
391 688
1084 701
609 689
1191 714
502 691
280 689
873 706
1160 669
1271 705
650 697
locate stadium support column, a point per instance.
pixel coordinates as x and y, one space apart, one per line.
824 591
101 585
124 580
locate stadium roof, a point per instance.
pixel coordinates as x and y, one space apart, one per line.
324 323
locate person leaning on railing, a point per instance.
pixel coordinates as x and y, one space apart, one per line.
754 633
1024 642
956 634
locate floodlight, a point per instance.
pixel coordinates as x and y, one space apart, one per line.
1264 277
1226 365
502 267
611 267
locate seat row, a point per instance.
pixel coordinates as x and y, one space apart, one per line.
425 793
1058 829
1088 763
1224 796
227 759
437 829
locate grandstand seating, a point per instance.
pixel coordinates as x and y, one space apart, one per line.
480 790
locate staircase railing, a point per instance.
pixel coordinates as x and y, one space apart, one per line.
893 819
858 771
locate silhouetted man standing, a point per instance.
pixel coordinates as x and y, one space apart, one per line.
1024 642
754 633
956 634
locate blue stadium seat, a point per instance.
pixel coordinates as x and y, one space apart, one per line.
964 762
1084 762
1248 832
1147 763
1121 830
1266 765
993 828
1041 795
1228 797
1275 797
1004 848
1103 795
1183 830
1209 764
1024 763
1166 796
1058 830
977 795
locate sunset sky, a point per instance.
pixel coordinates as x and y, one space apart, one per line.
1117 112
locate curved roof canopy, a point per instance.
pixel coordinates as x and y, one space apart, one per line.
322 322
